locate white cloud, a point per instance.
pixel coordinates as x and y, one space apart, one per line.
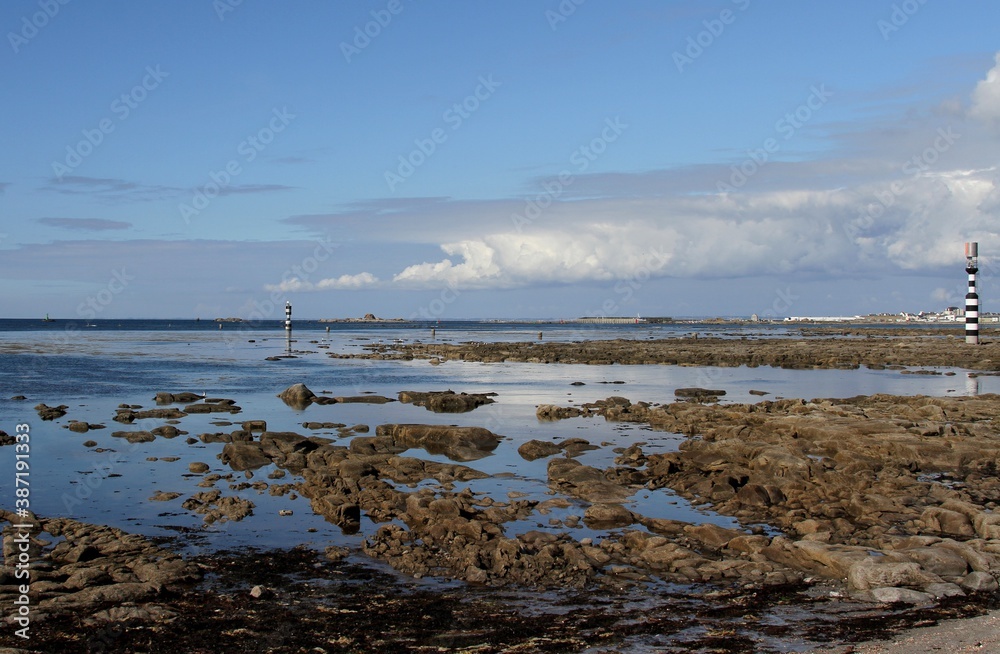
342 283
986 96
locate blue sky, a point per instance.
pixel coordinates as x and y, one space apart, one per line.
495 159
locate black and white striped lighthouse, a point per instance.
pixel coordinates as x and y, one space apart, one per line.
971 298
288 316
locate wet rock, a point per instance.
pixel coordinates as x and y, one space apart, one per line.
198 467
535 449
216 508
254 425
608 516
46 412
701 394
176 398
161 496
552 412
585 482
211 407
135 436
244 456
167 431
364 399
297 396
446 401
456 443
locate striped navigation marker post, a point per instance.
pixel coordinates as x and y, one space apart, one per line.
971 298
288 316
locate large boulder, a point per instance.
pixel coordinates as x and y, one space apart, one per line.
297 396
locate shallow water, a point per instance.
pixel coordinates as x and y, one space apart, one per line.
93 371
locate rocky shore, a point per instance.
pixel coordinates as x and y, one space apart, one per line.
817 348
872 512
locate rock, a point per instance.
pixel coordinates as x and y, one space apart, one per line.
198 467
363 399
552 412
867 575
944 590
176 398
892 595
607 516
161 496
336 554
297 396
980 582
704 394
943 521
446 401
46 412
713 536
254 425
259 592
941 561
135 436
535 449
456 443
212 407
585 482
167 431
79 427
244 456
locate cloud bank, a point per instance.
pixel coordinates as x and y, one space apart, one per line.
903 203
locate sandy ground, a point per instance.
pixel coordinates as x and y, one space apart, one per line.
980 634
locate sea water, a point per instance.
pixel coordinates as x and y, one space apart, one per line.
94 369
